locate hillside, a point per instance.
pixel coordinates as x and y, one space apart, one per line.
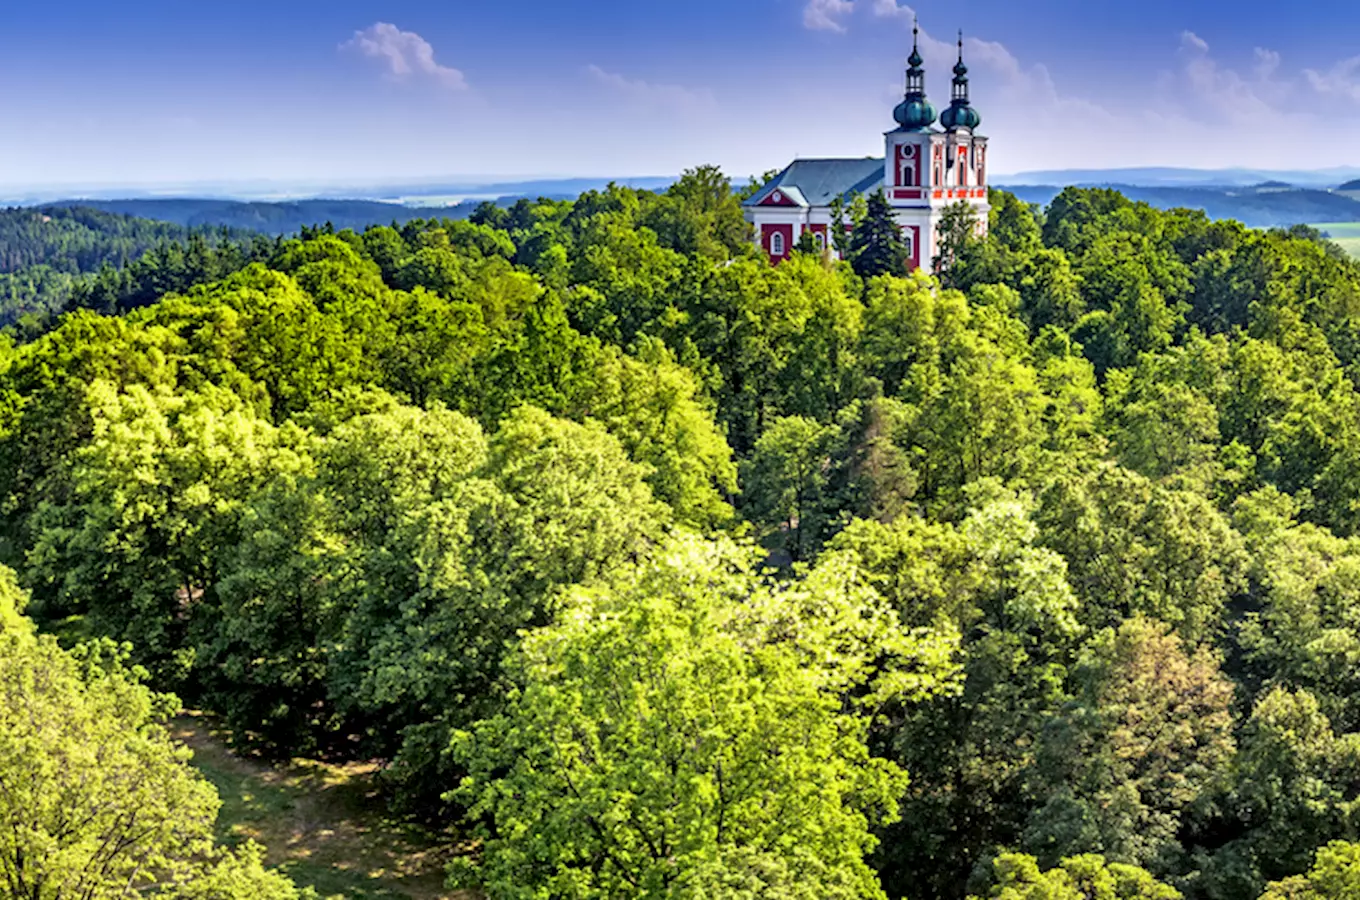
44 252
1267 205
1172 176
271 218
75 240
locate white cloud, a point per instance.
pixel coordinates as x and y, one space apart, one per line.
1192 41
670 96
1226 93
890 9
1267 63
826 15
405 55
1342 79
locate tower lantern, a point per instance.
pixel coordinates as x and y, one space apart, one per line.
960 113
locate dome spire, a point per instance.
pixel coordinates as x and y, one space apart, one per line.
960 75
960 113
915 113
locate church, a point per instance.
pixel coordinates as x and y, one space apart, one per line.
923 170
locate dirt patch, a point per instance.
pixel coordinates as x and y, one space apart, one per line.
325 825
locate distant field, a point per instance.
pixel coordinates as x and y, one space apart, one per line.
1347 234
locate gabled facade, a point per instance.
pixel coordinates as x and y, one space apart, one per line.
924 169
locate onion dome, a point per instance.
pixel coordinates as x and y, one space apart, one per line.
915 113
956 117
960 113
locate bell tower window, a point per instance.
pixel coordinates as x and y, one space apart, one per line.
776 244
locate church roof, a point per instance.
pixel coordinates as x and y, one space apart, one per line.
819 181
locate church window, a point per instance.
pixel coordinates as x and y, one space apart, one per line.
821 241
776 244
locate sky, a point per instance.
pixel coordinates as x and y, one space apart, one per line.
165 92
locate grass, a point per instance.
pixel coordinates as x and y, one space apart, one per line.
324 825
1347 234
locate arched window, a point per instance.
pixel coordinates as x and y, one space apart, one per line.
821 241
776 244
908 178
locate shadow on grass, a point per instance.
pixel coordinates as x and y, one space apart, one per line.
325 825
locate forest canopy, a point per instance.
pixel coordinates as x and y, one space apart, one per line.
663 572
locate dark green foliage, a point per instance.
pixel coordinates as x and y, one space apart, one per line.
876 245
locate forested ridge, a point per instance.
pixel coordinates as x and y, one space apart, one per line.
50 255
651 570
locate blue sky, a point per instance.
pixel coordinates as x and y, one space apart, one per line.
142 92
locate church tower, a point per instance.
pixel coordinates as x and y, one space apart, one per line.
926 169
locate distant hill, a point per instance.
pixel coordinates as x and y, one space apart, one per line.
1259 206
412 192
556 188
272 218
1164 176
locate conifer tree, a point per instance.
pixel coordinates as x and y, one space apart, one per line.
877 246
807 243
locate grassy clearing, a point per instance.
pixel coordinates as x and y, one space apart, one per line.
322 824
1347 234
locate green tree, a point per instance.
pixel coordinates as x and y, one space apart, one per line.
877 246
970 753
1335 874
1292 788
1148 734
787 480
957 241
97 800
1016 876
154 508
675 736
465 564
1135 547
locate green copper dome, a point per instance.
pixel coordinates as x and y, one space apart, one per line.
960 116
914 113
